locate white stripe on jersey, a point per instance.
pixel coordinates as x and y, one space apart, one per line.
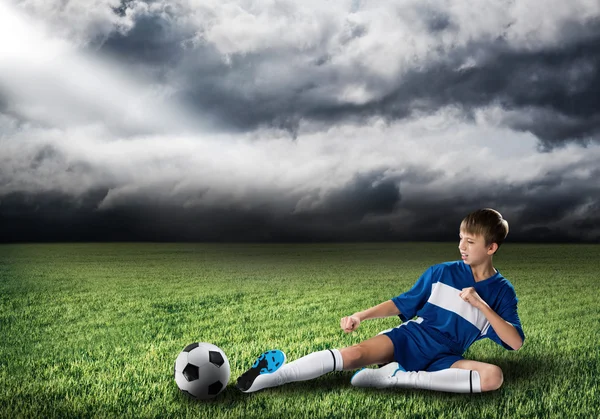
448 298
417 320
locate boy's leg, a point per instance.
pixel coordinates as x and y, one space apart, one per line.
378 349
490 375
463 376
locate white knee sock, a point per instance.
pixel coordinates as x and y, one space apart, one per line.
454 380
311 366
308 367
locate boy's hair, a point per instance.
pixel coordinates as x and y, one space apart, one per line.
488 223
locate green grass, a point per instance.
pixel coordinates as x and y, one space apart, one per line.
92 330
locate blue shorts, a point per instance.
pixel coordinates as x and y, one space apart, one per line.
416 350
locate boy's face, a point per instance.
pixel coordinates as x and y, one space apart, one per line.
473 250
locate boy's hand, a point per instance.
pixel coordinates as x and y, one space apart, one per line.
471 297
350 323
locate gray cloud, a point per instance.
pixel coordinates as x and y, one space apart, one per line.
53 217
235 73
170 121
153 40
552 206
549 90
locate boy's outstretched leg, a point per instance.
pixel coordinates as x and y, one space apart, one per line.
310 366
265 373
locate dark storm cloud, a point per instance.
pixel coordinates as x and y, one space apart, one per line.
363 210
366 194
227 89
541 219
59 217
555 93
153 40
552 91
552 127
364 197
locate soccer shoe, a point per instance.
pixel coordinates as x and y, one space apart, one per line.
257 377
378 378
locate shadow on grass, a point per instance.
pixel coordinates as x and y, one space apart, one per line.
535 369
331 384
526 370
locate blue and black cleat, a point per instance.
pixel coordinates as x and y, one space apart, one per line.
267 363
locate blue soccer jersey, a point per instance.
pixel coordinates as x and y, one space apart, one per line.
435 299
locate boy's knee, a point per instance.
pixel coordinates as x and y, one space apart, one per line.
352 357
491 378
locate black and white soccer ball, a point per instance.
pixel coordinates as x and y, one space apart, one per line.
202 370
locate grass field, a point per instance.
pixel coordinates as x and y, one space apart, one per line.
92 330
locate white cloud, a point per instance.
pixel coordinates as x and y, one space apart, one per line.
383 39
204 169
48 81
244 25
80 21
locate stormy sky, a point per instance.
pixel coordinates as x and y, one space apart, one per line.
298 121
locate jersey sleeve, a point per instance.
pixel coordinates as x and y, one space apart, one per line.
412 300
508 311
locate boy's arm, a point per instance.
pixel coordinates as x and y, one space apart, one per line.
505 331
406 305
385 309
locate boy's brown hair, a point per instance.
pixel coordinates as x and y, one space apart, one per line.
488 223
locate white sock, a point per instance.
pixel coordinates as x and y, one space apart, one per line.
311 366
308 367
454 380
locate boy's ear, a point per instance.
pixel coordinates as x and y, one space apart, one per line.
492 248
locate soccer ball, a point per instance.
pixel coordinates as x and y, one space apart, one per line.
201 370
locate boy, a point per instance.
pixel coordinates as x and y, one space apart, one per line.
456 303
